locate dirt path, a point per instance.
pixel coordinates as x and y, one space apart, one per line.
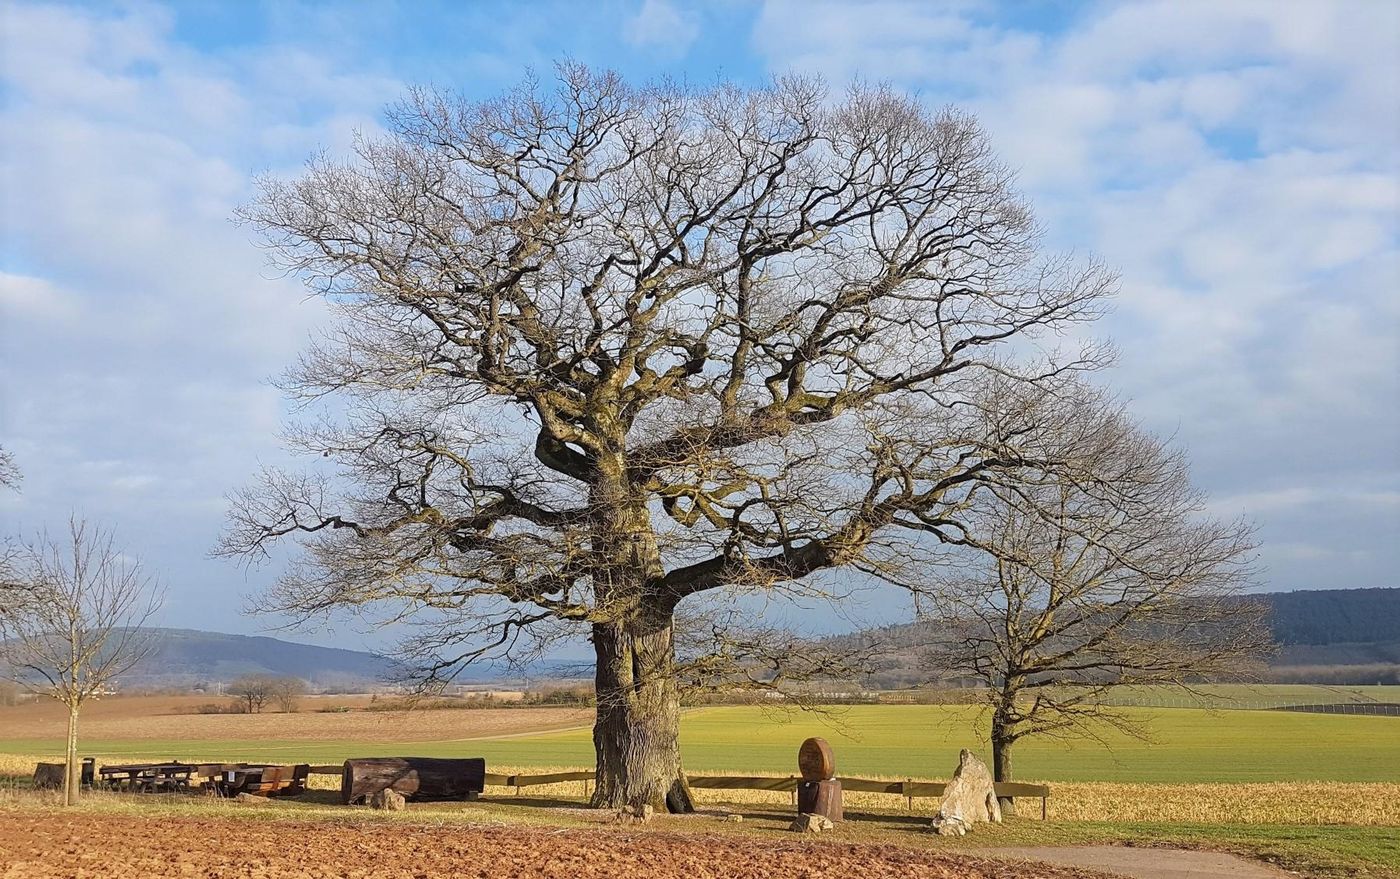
1146 863
57 845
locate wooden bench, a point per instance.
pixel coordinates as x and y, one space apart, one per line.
266 781
210 775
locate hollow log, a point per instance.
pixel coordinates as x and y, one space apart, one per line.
417 778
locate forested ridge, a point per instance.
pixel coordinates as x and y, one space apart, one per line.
1335 616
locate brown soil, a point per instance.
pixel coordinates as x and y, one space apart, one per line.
62 846
170 717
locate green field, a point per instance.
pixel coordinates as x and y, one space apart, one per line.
1252 695
1187 745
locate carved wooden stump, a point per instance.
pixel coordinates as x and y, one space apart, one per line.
819 793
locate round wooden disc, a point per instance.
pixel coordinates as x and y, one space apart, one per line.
815 761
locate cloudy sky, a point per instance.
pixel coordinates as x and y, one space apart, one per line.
1236 160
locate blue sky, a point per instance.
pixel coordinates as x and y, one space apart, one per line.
1237 161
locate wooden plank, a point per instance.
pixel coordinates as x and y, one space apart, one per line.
923 788
870 785
1016 789
743 782
495 778
328 770
550 778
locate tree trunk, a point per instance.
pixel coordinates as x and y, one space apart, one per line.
71 767
1002 741
636 734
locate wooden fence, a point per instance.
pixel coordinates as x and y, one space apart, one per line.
909 788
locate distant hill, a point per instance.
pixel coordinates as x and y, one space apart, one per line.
1335 616
1328 634
186 657
1325 636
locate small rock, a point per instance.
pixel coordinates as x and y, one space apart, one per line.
249 799
949 825
732 819
388 800
811 824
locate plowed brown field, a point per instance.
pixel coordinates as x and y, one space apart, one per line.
171 717
60 846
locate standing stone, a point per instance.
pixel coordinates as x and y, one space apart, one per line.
969 799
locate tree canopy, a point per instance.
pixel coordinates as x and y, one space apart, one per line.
601 348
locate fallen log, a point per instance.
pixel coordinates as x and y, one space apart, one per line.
417 778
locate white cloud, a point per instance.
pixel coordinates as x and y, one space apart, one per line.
26 298
662 27
140 323
1238 162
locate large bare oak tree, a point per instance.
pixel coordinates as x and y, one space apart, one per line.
1104 573
602 348
73 622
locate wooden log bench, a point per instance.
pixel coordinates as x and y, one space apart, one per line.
416 778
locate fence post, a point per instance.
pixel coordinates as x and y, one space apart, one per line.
908 794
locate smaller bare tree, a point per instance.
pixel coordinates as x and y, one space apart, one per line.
1107 573
286 691
74 621
253 692
723 650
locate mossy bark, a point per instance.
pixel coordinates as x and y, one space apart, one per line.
636 734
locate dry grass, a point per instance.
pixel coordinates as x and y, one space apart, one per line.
1298 803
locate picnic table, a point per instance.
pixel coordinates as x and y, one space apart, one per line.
148 777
